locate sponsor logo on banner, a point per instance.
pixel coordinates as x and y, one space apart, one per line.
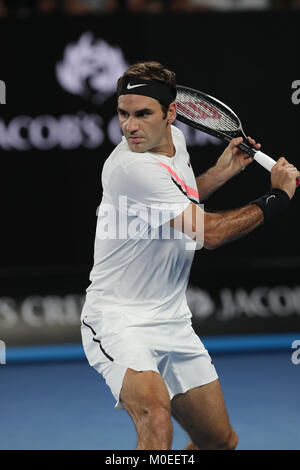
72 131
229 304
67 132
41 319
38 311
54 318
90 68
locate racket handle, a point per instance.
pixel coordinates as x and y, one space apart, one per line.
264 160
267 162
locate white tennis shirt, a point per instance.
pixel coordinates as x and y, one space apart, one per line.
141 264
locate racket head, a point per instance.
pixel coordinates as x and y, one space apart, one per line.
210 115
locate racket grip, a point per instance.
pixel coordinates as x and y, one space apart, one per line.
264 160
267 162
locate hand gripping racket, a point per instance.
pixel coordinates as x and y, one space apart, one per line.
213 117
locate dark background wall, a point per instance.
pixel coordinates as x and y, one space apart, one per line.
57 129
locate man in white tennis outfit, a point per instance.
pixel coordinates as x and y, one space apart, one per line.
136 324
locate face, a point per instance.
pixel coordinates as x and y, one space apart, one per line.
143 124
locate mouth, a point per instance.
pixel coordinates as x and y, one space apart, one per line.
135 140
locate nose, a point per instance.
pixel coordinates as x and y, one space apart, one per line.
131 124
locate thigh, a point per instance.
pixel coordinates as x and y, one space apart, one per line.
142 391
201 411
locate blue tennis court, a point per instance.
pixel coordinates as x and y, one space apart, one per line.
66 404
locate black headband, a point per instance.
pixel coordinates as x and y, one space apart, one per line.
159 91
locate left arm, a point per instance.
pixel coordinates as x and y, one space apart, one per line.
230 163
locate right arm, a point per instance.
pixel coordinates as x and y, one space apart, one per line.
220 228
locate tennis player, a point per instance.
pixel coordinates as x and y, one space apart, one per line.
136 324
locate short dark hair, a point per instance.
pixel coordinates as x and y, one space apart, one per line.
150 70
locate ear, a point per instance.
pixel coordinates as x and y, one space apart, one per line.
171 115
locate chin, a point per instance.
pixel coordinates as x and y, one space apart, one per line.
137 148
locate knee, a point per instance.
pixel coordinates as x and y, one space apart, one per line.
223 441
158 419
228 441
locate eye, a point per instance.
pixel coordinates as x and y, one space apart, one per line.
143 114
122 113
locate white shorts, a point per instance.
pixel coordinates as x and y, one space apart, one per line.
169 348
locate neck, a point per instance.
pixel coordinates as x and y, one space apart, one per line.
166 147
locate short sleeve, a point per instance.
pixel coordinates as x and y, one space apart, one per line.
145 189
178 136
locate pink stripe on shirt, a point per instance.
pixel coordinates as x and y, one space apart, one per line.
189 191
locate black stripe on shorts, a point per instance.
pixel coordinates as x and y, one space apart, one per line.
97 341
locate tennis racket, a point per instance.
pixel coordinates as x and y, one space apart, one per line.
213 117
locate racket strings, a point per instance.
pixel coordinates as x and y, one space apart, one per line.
201 110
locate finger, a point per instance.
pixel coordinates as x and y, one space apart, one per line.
296 175
247 159
293 171
281 161
234 142
252 142
290 165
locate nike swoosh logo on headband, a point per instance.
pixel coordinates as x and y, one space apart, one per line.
129 87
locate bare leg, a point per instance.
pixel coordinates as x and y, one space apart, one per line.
191 446
145 397
202 413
